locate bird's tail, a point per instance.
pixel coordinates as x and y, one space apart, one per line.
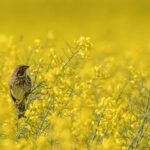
21 110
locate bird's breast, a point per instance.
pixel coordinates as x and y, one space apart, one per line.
19 90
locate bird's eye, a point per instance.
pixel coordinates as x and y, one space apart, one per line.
20 72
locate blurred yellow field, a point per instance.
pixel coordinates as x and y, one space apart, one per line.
90 70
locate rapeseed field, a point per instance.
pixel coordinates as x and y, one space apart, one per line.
90 71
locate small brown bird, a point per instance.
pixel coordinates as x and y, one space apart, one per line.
20 88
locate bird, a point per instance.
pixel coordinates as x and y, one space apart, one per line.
20 88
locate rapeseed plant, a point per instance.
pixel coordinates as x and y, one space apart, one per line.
108 110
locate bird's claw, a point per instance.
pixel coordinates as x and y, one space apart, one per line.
16 103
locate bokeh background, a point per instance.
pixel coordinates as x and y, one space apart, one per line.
104 20
89 66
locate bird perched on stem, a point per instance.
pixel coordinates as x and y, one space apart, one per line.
20 88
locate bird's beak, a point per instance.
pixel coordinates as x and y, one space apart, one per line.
26 67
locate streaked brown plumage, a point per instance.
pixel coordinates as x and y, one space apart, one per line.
20 87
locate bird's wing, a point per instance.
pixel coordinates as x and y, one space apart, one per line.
29 82
29 79
14 99
10 87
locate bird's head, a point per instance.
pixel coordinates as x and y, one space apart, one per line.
20 70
